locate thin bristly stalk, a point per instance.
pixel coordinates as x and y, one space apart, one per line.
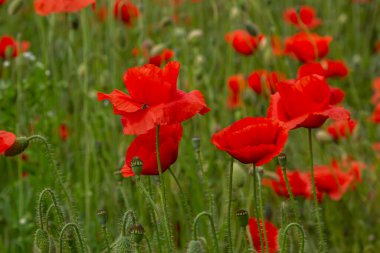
230 175
292 200
262 213
214 235
302 232
256 206
76 229
163 191
322 246
153 214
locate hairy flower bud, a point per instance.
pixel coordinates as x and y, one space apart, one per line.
194 247
41 240
18 147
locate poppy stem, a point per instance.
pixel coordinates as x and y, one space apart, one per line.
76 229
256 205
302 243
153 213
148 244
292 200
230 175
322 246
262 213
215 238
163 194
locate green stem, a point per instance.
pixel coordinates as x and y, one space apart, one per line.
104 228
230 175
128 218
302 243
262 213
292 200
256 206
322 246
214 235
55 203
148 243
76 229
150 193
163 191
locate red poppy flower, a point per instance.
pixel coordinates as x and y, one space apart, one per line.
277 45
341 129
154 99
332 181
306 102
376 88
376 114
8 45
306 18
243 42
271 232
2 2
7 140
326 68
126 11
353 168
144 147
63 132
47 7
236 84
307 47
264 81
102 13
162 57
299 183
252 140
377 47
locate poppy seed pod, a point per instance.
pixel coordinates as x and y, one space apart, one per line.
137 232
195 247
196 141
41 240
282 159
137 165
18 147
102 217
242 216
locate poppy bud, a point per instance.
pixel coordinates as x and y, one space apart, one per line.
137 232
41 240
18 147
252 29
195 247
75 23
194 35
137 165
282 159
122 245
156 49
166 21
323 136
242 216
196 141
15 6
102 217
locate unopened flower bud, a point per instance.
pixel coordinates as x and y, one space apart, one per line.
18 147
194 35
195 247
102 217
121 245
41 240
137 232
282 159
166 21
15 6
137 165
242 216
252 28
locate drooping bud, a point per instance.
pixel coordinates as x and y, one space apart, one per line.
102 217
282 159
137 165
196 141
252 28
137 232
122 245
18 147
15 6
195 247
41 240
242 216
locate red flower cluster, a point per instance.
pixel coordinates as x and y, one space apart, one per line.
10 47
341 129
161 58
271 233
126 11
243 42
326 68
47 7
304 18
262 81
154 100
2 2
329 179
